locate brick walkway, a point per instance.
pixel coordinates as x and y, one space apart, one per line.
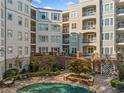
103 84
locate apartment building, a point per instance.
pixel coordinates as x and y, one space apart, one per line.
83 32
46 28
17 28
2 30
94 25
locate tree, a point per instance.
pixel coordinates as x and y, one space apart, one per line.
34 63
79 66
49 61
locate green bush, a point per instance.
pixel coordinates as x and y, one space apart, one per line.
10 73
33 74
119 85
114 83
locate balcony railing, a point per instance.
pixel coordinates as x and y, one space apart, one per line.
66 30
89 27
65 19
33 28
120 11
65 41
33 17
88 41
89 13
33 41
87 54
120 40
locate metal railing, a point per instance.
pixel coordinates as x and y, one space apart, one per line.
120 40
88 41
33 28
89 27
89 13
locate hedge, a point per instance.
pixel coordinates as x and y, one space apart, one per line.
33 74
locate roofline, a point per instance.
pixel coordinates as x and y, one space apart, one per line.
47 9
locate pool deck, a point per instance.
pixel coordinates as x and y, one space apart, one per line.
101 85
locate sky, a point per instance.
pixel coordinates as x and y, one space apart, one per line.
53 4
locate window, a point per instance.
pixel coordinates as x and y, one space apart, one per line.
74 50
26 50
2 14
74 25
106 7
55 27
10 50
43 38
1 52
111 36
10 65
19 20
26 23
55 16
106 51
26 36
106 36
26 9
106 22
111 21
19 6
111 6
43 27
9 16
19 35
2 33
10 1
55 39
19 50
74 14
43 49
9 33
90 50
43 15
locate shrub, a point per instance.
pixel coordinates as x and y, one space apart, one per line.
10 73
114 83
79 66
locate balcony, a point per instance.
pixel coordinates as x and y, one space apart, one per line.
86 54
89 13
65 30
65 19
33 28
65 41
33 41
120 41
89 28
87 42
33 17
120 25
120 12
